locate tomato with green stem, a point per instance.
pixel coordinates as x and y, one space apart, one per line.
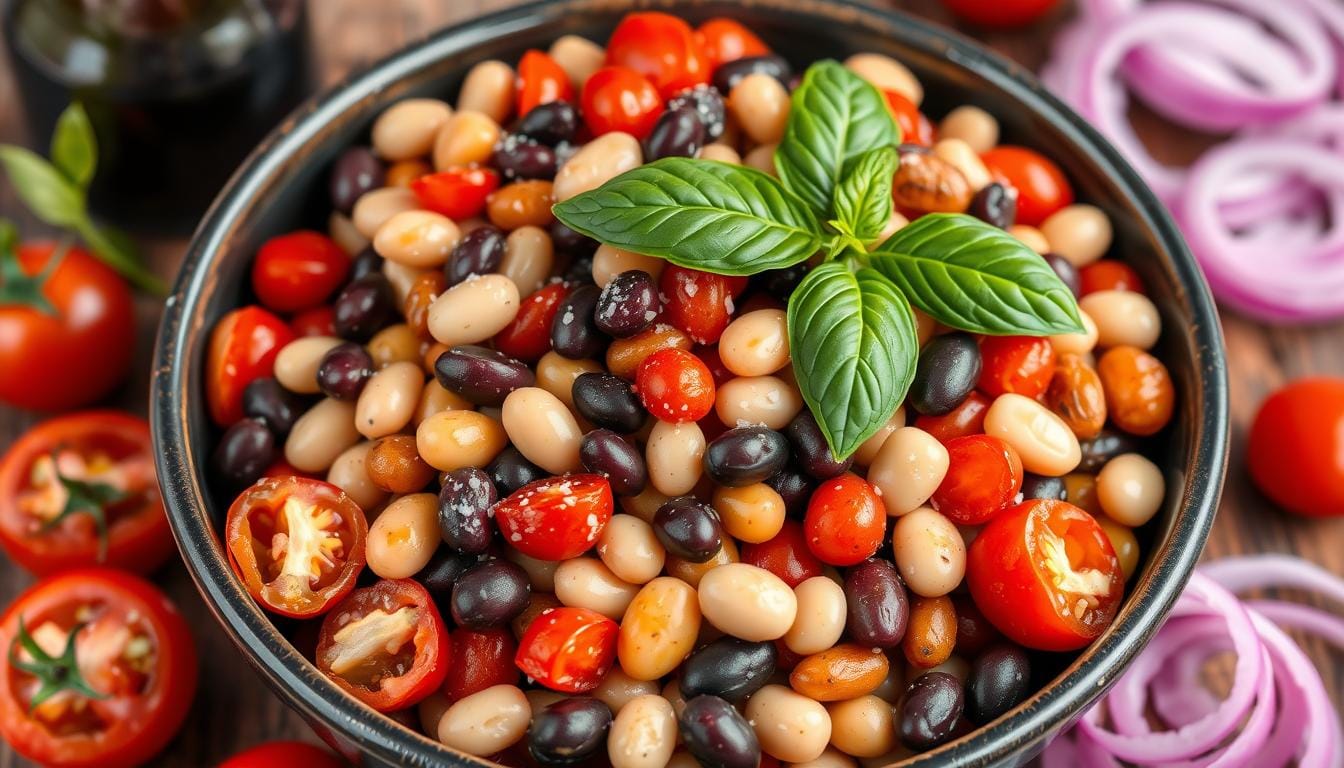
242 349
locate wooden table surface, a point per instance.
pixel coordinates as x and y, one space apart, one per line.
234 709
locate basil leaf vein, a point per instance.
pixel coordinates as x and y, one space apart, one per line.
863 200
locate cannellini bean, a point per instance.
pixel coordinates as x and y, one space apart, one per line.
584 582
930 552
721 153
406 129
756 344
762 158
1123 317
474 310
966 160
610 261
887 74
1130 489
761 106
618 689
1030 237
349 472
543 429
1080 233
862 727
375 207
487 721
820 620
908 469
870 447
599 161
971 124
1077 343
673 455
451 440
388 400
488 88
321 435
528 258
747 602
404 537
1041 438
790 726
644 734
297 362
630 549
417 239
465 138
765 400
556 374
580 58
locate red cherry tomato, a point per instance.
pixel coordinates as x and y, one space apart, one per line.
620 99
556 518
144 688
1000 13
698 303
458 193
528 336
675 386
1296 448
480 659
77 352
984 475
1020 364
385 645
283 754
662 48
298 271
115 519
724 40
1044 573
568 649
966 419
297 544
1109 275
243 347
318 321
915 127
1041 186
282 468
786 555
846 520
541 81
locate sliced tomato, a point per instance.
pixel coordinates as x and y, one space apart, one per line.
528 336
386 645
540 81
297 544
699 303
568 649
283 754
79 490
458 193
556 518
243 347
661 47
724 40
100 670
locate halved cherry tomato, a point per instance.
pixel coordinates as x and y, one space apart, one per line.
1000 13
1296 447
386 645
129 646
79 489
724 40
966 419
298 271
699 303
661 47
846 520
1109 275
1041 186
568 649
1044 573
620 99
1020 364
318 321
675 386
458 193
915 127
541 81
786 555
297 544
556 518
528 336
243 347
284 754
984 475
479 660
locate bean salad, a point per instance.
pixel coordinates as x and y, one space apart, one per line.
664 404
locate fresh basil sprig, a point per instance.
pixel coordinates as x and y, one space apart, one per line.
851 329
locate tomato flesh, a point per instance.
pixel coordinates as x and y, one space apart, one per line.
984 475
1041 186
661 47
845 521
458 193
480 659
675 386
556 518
1109 275
1296 447
568 649
298 271
1020 364
243 347
620 99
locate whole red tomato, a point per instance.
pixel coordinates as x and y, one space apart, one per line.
661 47
620 99
1296 448
724 40
1000 13
1020 364
298 271
479 660
556 518
786 555
528 336
66 338
243 347
1041 186
283 754
846 520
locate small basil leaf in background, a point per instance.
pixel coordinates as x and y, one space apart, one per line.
74 150
863 198
48 194
835 116
976 277
701 214
854 347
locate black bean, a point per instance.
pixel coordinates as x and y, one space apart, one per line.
795 488
729 668
811 452
678 133
745 455
995 204
709 108
244 452
1068 273
780 283
717 734
1000 679
510 470
344 370
366 262
569 731
265 399
571 242
728 75
356 171
628 305
479 252
574 331
608 401
439 575
518 157
1104 447
877 607
364 307
688 529
1042 487
930 709
464 510
550 123
612 456
490 594
579 272
481 375
948 368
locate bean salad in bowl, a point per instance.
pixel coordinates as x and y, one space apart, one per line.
665 403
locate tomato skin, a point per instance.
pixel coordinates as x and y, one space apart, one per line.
661 47
1020 364
1017 592
70 359
556 518
1000 13
1041 186
846 521
318 321
528 336
700 304
724 40
1296 447
787 555
675 386
540 81
298 271
568 649
620 99
458 193
138 726
915 127
966 419
243 347
480 659
984 474
1109 275
283 754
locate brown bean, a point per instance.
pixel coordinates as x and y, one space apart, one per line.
862 727
926 182
434 398
402 173
844 672
752 513
406 129
522 203
692 573
658 629
625 355
427 287
451 440
1125 544
466 138
932 632
395 344
1081 490
394 465
1075 394
556 374
1140 397
488 88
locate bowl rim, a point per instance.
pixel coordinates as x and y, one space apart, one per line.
339 714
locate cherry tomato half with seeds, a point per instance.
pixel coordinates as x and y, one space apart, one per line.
297 544
386 645
1020 364
568 649
298 271
1296 447
846 521
556 518
724 40
540 81
318 321
458 193
1109 275
528 336
243 347
700 304
480 659
1000 13
966 419
1041 186
984 475
675 386
620 99
284 754
1044 573
130 648
786 555
915 127
662 48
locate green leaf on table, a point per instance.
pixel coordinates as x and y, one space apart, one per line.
40 185
863 199
74 150
854 347
701 214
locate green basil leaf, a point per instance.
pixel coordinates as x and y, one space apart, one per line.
49 195
74 149
835 117
976 277
701 214
863 199
853 342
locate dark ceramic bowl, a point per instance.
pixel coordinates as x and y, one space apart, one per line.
281 188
